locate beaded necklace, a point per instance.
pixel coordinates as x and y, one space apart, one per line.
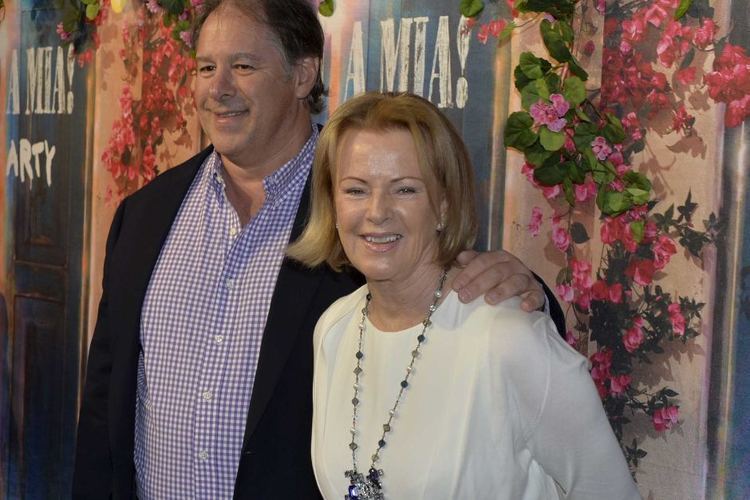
370 487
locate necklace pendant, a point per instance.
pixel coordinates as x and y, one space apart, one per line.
364 488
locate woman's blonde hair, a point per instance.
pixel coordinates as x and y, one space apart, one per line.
443 161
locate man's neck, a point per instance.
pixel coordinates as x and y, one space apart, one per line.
244 176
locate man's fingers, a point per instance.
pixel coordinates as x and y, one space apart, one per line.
521 285
481 271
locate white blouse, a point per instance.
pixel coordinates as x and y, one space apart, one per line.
498 406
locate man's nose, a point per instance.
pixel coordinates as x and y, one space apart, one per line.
222 85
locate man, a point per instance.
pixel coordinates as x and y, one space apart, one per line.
199 376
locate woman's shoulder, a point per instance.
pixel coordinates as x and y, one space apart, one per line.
513 335
341 310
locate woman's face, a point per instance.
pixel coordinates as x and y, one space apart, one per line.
385 221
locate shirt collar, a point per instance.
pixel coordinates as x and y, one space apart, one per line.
277 184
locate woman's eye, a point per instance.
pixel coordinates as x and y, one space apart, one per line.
407 190
353 191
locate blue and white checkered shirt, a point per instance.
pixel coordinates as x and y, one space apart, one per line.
201 329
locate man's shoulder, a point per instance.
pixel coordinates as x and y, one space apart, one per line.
176 178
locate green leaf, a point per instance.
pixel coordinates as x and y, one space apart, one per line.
578 233
637 228
682 9
612 202
566 31
92 10
521 80
518 133
530 95
326 8
471 8
688 59
584 135
532 66
506 32
574 91
568 190
575 172
553 83
577 70
536 154
613 131
581 114
554 43
549 174
636 180
551 141
174 7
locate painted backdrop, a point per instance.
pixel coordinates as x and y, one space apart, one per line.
96 102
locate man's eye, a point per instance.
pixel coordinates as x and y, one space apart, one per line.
244 67
206 68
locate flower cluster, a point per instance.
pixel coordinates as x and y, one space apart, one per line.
729 82
165 68
577 152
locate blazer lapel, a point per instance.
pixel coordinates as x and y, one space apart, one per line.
293 295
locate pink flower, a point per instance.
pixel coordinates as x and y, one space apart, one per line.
665 418
497 26
633 338
601 148
619 384
641 271
677 319
704 36
586 191
581 273
64 35
551 192
601 363
560 105
565 292
484 33
601 6
552 114
588 48
685 76
682 121
536 221
153 7
570 339
663 248
561 238
187 38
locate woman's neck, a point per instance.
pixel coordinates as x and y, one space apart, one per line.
397 306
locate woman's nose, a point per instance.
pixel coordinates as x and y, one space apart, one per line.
379 208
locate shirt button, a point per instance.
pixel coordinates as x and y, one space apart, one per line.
232 231
219 339
203 455
230 283
207 395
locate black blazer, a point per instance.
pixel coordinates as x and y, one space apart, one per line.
275 462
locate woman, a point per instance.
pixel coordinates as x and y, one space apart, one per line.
415 394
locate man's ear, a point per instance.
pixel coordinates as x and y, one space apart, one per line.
306 72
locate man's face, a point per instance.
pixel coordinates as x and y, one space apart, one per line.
248 98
